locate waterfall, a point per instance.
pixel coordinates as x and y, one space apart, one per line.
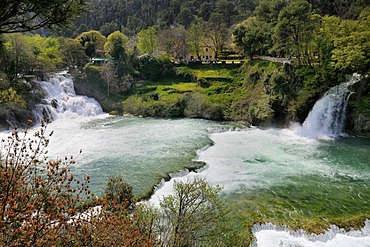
61 99
327 117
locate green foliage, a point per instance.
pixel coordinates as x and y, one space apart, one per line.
73 53
16 56
46 52
186 74
149 106
147 43
150 67
93 41
118 191
109 28
196 33
351 53
253 37
179 96
293 28
197 106
11 99
193 210
149 220
135 17
116 45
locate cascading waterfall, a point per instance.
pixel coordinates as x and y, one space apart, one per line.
61 98
327 117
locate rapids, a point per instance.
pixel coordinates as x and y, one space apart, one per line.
315 173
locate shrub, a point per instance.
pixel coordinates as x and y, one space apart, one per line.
37 195
152 68
43 204
117 190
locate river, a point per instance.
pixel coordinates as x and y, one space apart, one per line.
296 171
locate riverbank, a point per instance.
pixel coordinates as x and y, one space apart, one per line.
258 92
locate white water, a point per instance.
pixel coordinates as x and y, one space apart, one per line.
61 100
140 149
327 117
145 149
254 158
269 235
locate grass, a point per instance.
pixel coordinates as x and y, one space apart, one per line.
212 87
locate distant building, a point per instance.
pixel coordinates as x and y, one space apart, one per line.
100 61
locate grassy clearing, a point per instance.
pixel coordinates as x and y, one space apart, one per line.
205 92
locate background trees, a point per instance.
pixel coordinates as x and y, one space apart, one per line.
93 42
174 42
196 37
147 43
293 29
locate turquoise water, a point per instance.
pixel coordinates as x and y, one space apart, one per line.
283 175
277 170
143 151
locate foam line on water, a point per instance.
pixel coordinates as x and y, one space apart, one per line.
269 235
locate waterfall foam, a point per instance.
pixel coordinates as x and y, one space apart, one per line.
327 117
61 99
270 235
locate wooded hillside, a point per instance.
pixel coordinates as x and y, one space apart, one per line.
133 15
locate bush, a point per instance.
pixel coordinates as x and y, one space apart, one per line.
152 68
118 191
198 107
43 204
37 195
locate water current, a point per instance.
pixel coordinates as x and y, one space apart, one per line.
312 177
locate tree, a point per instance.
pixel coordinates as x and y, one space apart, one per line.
351 53
192 210
253 37
116 45
16 57
293 29
109 75
29 15
185 16
37 198
46 51
116 48
118 191
73 53
174 41
268 10
93 42
147 43
216 34
109 28
227 9
195 36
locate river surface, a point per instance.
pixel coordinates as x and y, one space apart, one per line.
293 172
311 177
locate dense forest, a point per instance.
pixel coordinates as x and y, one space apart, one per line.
134 15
